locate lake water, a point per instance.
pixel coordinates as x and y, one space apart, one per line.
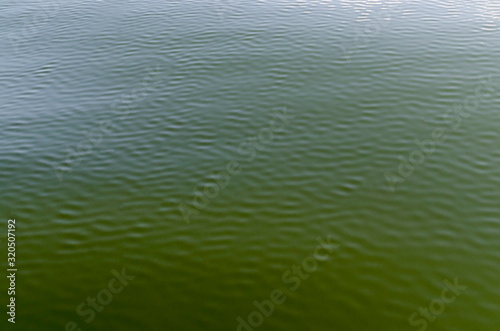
251 165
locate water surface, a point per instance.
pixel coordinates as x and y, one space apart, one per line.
114 113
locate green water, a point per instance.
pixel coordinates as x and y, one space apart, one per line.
251 165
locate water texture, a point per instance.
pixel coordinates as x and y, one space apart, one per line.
341 156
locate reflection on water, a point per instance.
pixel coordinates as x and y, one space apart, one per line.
115 114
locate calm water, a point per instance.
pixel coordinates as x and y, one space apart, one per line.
205 146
